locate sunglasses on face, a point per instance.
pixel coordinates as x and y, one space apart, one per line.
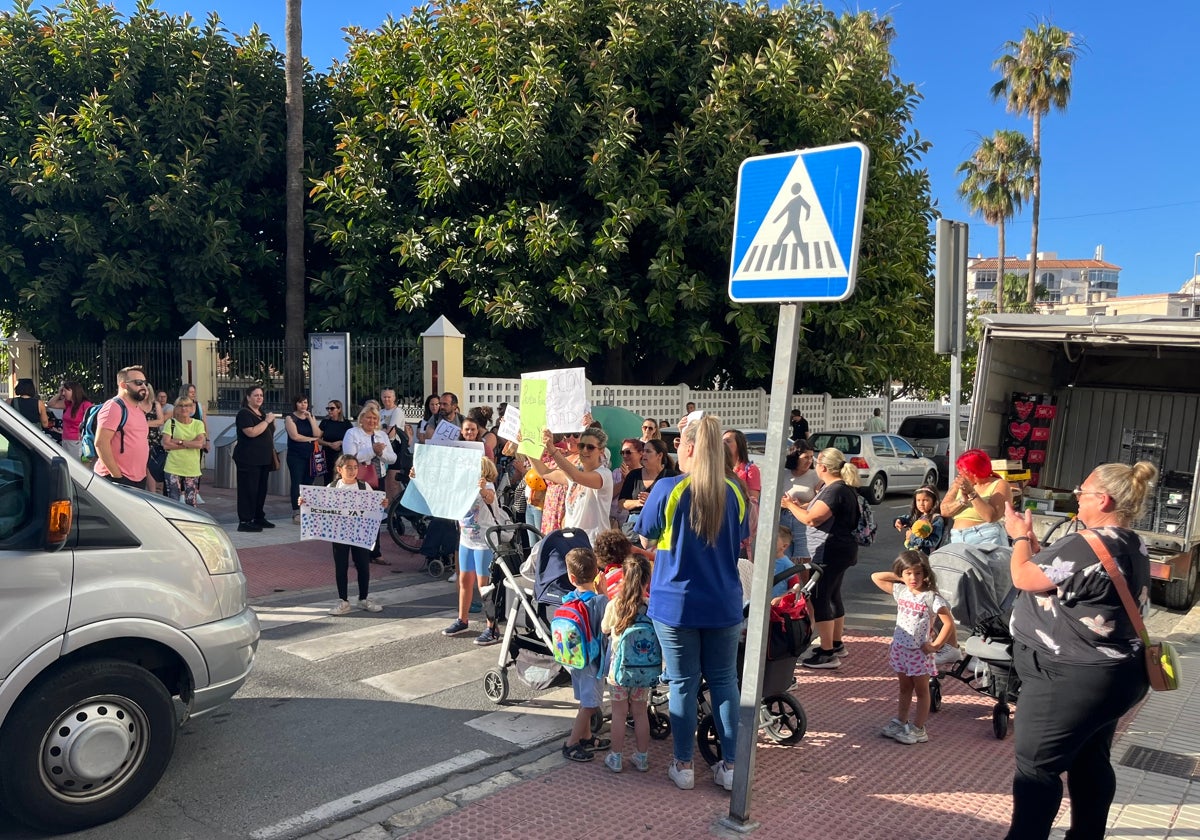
588 447
137 383
332 408
628 452
647 427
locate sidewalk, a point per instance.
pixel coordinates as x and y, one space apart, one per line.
843 781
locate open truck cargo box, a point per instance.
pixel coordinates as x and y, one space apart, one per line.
1122 388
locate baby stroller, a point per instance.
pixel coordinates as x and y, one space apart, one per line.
531 602
975 581
780 715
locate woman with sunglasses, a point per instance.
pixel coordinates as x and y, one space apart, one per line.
650 430
631 459
589 485
1075 649
333 430
656 463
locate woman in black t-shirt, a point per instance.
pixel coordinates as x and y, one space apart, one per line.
333 429
253 456
830 519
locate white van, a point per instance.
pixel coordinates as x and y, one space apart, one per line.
121 614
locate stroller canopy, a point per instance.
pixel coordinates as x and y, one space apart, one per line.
974 579
550 582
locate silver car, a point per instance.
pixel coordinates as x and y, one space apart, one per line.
886 463
113 603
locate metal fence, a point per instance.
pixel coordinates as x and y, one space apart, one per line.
95 366
378 362
242 363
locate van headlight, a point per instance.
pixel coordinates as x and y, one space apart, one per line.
213 544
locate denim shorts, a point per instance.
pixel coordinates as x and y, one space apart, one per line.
588 687
986 533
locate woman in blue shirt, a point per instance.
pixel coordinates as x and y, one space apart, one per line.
697 521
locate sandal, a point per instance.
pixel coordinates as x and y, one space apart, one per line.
576 752
379 561
595 743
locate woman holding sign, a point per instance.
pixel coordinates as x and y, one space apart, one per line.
372 448
589 485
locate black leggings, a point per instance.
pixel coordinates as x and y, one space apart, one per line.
342 552
1066 718
827 595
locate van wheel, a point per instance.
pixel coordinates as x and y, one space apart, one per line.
1180 593
877 488
86 745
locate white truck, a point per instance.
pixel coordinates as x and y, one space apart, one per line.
1124 388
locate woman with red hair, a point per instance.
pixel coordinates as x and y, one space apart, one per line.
975 501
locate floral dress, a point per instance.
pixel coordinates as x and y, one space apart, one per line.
555 506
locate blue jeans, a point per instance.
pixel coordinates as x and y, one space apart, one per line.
987 533
689 652
533 517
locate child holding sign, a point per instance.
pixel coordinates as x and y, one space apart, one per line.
475 557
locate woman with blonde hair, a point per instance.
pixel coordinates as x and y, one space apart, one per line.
1080 660
697 520
830 520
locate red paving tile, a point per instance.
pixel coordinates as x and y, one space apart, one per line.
305 565
842 781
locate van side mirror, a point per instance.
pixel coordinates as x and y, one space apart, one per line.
60 507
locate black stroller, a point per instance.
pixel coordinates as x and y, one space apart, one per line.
780 715
532 592
975 580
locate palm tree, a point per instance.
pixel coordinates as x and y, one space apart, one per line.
293 328
1035 75
996 181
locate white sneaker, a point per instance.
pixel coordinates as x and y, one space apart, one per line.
893 728
341 608
369 605
723 775
452 578
683 777
912 735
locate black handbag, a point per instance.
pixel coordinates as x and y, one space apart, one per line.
157 463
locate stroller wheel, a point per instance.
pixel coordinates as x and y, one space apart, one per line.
707 742
660 724
435 567
783 719
935 695
597 721
1000 721
495 685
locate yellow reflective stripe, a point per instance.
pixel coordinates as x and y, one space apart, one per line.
665 539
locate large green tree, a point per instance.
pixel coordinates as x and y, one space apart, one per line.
141 173
997 179
558 179
1035 76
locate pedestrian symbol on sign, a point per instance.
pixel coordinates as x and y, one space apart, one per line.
796 231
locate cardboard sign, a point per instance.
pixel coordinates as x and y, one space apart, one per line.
341 514
445 431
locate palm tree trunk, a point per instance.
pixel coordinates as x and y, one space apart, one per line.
1031 288
1000 271
293 330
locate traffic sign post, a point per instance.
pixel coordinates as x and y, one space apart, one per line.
796 234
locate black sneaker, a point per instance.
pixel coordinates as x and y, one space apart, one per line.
821 659
248 526
839 650
264 523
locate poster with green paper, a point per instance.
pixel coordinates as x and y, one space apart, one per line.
533 416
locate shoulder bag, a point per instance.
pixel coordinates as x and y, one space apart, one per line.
1162 661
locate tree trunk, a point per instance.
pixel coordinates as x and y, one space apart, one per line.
1031 288
293 329
1000 270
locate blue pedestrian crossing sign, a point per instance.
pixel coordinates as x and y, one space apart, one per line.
797 223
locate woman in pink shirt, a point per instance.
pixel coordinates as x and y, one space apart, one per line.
70 400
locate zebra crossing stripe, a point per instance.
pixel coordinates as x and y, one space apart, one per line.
533 722
376 634
428 678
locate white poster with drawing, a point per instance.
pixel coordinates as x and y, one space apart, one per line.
341 514
559 404
445 481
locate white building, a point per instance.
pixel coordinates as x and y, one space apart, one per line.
1182 304
1066 281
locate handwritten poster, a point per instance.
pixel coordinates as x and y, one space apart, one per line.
445 431
553 399
445 482
341 514
510 426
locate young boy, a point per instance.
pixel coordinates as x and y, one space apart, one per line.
587 683
783 541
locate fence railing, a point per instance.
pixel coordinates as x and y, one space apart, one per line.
95 365
737 409
378 362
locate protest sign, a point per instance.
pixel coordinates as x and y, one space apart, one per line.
445 481
445 431
551 399
341 514
510 426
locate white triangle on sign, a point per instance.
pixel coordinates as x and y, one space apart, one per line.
794 240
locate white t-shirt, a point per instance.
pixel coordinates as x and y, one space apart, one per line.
588 509
802 488
476 522
913 615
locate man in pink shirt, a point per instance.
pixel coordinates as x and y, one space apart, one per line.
122 455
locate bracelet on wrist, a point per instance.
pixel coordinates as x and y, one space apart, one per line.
1016 540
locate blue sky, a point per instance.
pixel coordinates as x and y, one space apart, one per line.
1120 166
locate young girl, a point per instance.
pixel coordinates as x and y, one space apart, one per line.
922 537
912 584
475 558
628 702
347 470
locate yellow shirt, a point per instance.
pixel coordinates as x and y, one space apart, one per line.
969 517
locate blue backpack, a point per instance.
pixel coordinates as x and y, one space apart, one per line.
575 646
87 429
636 655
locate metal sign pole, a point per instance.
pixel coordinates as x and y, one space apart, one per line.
787 340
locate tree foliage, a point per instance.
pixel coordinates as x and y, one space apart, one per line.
142 169
558 179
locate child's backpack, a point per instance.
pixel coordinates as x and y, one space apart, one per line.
636 655
87 429
571 631
864 531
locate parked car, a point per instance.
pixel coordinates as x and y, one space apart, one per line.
886 463
113 603
930 435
